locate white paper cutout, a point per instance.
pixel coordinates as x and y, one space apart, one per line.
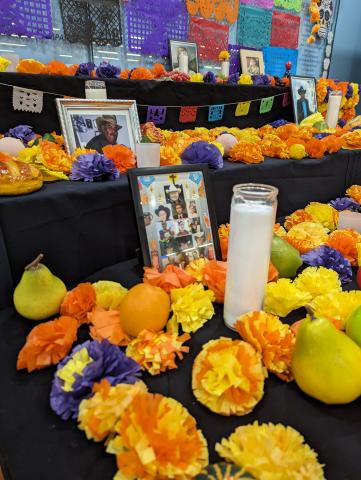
27 100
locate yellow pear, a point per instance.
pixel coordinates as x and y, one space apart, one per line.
326 363
39 293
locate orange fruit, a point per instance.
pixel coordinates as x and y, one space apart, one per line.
144 307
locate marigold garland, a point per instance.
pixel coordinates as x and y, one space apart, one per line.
318 281
282 297
273 146
246 152
346 241
172 277
337 305
122 157
306 236
78 302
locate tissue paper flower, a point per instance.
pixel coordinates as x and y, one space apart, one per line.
279 230
202 152
156 352
273 339
78 302
344 203
30 66
299 216
228 377
246 152
122 157
169 156
223 55
158 439
355 192
22 132
315 148
197 78
306 236
93 167
245 79
107 70
54 67
329 258
345 241
171 277
282 297
209 77
286 131
223 234
4 63
271 452
352 141
214 278
152 132
47 344
87 364
158 70
323 214
333 143
85 69
273 146
141 73
81 151
297 151
99 414
109 295
196 267
337 305
192 307
318 281
105 325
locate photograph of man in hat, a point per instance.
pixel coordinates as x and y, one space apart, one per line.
303 106
108 128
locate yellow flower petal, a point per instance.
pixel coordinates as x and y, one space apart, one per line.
323 214
283 296
336 305
109 295
318 281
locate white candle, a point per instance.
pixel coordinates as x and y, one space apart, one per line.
225 68
183 62
333 108
148 154
349 219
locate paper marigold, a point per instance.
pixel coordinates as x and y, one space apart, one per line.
306 236
228 377
158 439
158 70
169 156
223 234
196 267
171 277
246 152
282 297
57 68
323 214
272 338
345 242
141 73
109 295
157 352
105 325
273 146
337 305
81 151
122 156
192 307
47 344
299 216
78 302
30 66
315 148
214 278
352 140
271 452
355 193
318 281
286 131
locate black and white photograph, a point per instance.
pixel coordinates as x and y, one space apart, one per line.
304 97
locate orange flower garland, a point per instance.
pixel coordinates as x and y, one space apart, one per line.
171 277
141 73
169 156
346 241
273 146
306 236
78 302
246 152
122 156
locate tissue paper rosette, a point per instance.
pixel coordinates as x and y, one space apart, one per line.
49 158
246 152
272 338
336 306
87 364
282 297
306 236
78 302
344 203
99 414
318 281
171 277
196 268
273 146
354 192
157 439
169 156
214 278
109 294
299 216
122 157
325 256
323 214
152 132
271 452
105 325
228 377
47 344
346 241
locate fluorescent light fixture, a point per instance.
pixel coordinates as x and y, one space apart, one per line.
64 55
134 54
110 53
56 29
95 56
13 44
110 58
132 60
10 51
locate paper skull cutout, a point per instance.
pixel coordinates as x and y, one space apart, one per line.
326 11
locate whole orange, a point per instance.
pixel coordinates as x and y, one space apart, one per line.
144 307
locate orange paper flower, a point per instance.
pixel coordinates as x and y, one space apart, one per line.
345 241
306 236
158 70
286 131
169 156
78 302
332 143
272 273
57 68
246 152
122 156
125 74
141 73
223 233
273 146
30 66
214 277
106 325
355 193
152 132
315 148
47 344
272 338
171 277
352 140
299 216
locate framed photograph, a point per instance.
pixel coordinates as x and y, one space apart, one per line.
177 48
252 62
175 215
304 97
97 123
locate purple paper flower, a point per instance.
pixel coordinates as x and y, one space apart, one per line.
108 361
345 203
107 70
22 132
85 69
260 80
349 92
93 167
202 152
278 123
342 122
325 256
209 77
232 79
329 90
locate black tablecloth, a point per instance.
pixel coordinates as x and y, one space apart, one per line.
145 92
36 444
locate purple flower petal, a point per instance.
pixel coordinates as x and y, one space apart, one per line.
202 152
107 70
22 132
233 78
278 123
209 77
85 69
328 257
93 167
345 203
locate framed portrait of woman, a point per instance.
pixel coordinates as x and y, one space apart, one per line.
252 62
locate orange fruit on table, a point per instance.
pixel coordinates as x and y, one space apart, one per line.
144 307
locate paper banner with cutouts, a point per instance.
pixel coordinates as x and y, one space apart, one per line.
259 3
222 10
215 113
27 100
295 5
275 59
286 99
211 37
266 104
188 114
285 30
242 109
254 27
156 114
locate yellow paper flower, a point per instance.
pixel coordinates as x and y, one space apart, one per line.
169 156
272 338
245 79
192 307
271 452
196 268
223 55
4 63
318 281
248 135
336 306
297 151
355 193
306 236
196 77
228 377
158 439
81 151
29 155
299 216
273 146
323 214
99 414
282 297
157 352
73 367
109 295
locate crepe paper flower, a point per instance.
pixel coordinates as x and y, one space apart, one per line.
299 216
336 305
297 151
196 268
154 133
282 297
99 414
87 364
47 344
273 273
246 152
192 307
271 452
279 230
354 192
122 157
93 167
125 74
196 78
109 295
287 130
223 234
4 63
202 152
22 132
352 140
306 236
345 241
333 144
81 151
228 377
171 277
323 214
30 66
344 203
141 73
54 67
209 77
156 352
85 69
105 325
245 79
329 258
315 148
156 439
273 339
107 70
214 278
223 55
318 281
169 156
158 70
273 146
53 157
78 302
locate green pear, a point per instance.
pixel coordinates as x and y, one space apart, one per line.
39 293
285 258
353 326
326 362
